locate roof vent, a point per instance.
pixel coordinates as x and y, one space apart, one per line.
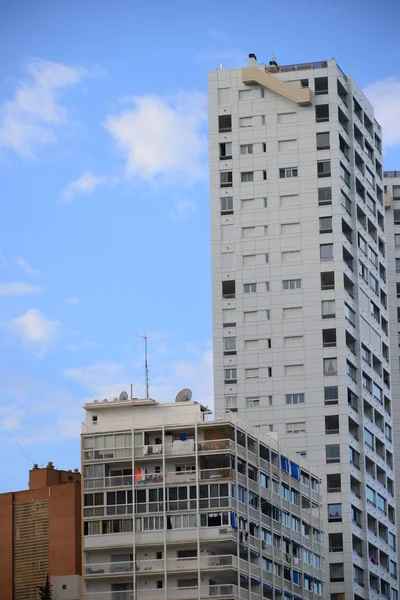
252 60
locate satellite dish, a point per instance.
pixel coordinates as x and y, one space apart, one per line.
123 396
184 395
96 401
105 400
115 399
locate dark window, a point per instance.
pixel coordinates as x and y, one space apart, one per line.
322 113
324 196
224 123
321 85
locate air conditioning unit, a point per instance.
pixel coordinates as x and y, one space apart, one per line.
263 544
223 530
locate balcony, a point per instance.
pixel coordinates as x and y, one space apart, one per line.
174 593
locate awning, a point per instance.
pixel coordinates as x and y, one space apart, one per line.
254 579
254 552
267 586
278 591
243 576
295 470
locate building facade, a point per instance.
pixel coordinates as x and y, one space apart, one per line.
300 294
181 504
392 206
41 535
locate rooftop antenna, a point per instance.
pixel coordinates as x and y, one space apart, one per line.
273 62
146 368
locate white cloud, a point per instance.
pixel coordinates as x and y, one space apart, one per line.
163 137
84 185
384 95
21 262
33 117
33 328
73 300
102 379
18 289
183 210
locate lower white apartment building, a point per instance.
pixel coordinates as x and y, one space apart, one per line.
182 504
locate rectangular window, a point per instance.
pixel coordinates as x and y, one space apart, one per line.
226 178
333 453
324 196
287 145
325 225
250 288
245 121
248 232
292 370
291 284
251 373
289 200
326 252
229 346
229 317
225 150
291 256
322 113
288 172
328 309
324 168
231 402
224 123
297 428
331 395
247 176
330 366
227 205
252 402
287 117
292 312
287 228
230 375
251 344
246 149
323 142
295 398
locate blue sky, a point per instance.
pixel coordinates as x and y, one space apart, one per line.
104 221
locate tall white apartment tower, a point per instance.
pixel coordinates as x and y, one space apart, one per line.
392 223
300 310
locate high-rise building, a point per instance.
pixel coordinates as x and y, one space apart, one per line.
41 536
181 504
392 224
300 310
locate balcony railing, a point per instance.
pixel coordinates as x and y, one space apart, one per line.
174 593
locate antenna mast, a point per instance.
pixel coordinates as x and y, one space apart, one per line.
146 367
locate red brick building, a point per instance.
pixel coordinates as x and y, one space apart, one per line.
41 533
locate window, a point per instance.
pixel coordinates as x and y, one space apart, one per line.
294 341
324 196
328 309
291 284
229 346
231 402
291 370
287 117
331 395
229 317
329 338
292 313
224 123
321 85
247 176
322 113
287 145
227 205
325 225
248 232
290 228
324 168
345 175
326 252
228 289
334 512
296 427
332 453
328 280
291 256
245 121
349 315
230 375
333 482
94 419
323 141
246 149
252 402
351 371
225 150
251 373
226 178
330 366
295 398
250 288
288 172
